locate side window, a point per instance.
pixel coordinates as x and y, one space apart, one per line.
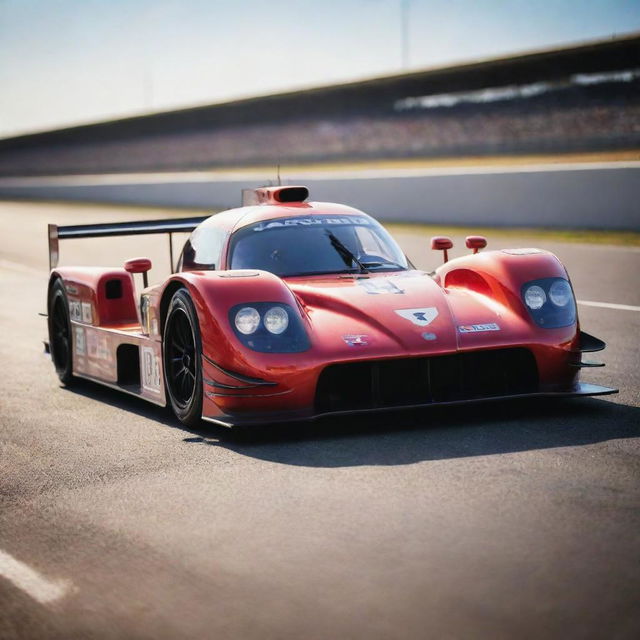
202 250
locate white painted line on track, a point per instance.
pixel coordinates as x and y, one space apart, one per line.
608 305
30 581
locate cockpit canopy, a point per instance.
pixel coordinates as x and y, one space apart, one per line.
298 245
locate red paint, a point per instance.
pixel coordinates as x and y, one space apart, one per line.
476 243
137 265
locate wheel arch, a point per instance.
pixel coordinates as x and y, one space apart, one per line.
53 277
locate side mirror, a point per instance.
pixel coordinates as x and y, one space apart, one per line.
476 243
442 243
139 265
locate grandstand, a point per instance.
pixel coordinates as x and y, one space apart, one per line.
583 98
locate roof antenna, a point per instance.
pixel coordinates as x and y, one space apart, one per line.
278 174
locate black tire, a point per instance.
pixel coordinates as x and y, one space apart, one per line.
182 353
60 336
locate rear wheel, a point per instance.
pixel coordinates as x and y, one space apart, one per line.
182 359
60 341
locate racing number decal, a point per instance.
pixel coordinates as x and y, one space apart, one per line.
379 285
150 370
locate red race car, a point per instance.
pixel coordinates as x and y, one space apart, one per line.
284 309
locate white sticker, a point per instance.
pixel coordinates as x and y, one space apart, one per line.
150 370
356 340
103 351
97 346
92 344
421 317
75 311
379 285
475 328
80 342
87 316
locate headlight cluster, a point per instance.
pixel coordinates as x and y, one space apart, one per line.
276 320
550 302
269 327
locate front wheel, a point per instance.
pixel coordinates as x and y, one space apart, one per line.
182 350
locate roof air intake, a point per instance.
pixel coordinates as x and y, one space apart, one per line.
274 195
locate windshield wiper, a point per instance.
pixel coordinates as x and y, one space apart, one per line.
345 254
386 263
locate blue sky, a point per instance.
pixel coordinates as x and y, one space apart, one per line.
66 62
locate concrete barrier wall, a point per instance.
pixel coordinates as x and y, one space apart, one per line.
605 196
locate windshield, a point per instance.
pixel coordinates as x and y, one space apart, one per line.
314 245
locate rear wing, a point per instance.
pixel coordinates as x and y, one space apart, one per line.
139 227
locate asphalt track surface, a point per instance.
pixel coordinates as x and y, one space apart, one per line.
510 520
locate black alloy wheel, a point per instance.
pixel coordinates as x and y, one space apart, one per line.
182 364
60 340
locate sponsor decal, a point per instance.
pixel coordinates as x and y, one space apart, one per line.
429 336
92 344
80 341
75 311
97 345
421 317
310 222
150 370
356 340
379 285
476 328
71 289
87 316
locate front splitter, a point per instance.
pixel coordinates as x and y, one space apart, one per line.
578 390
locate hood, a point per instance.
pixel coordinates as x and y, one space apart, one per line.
382 314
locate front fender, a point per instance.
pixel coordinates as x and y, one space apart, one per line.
214 293
500 275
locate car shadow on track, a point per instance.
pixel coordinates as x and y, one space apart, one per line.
405 437
120 400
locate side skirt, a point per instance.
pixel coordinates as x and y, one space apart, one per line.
118 387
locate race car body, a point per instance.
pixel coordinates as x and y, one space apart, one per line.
288 310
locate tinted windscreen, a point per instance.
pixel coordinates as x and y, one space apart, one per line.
316 244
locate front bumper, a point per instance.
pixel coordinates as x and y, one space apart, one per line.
375 385
256 419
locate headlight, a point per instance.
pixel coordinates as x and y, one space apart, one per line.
535 297
550 302
269 327
276 320
560 293
247 320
